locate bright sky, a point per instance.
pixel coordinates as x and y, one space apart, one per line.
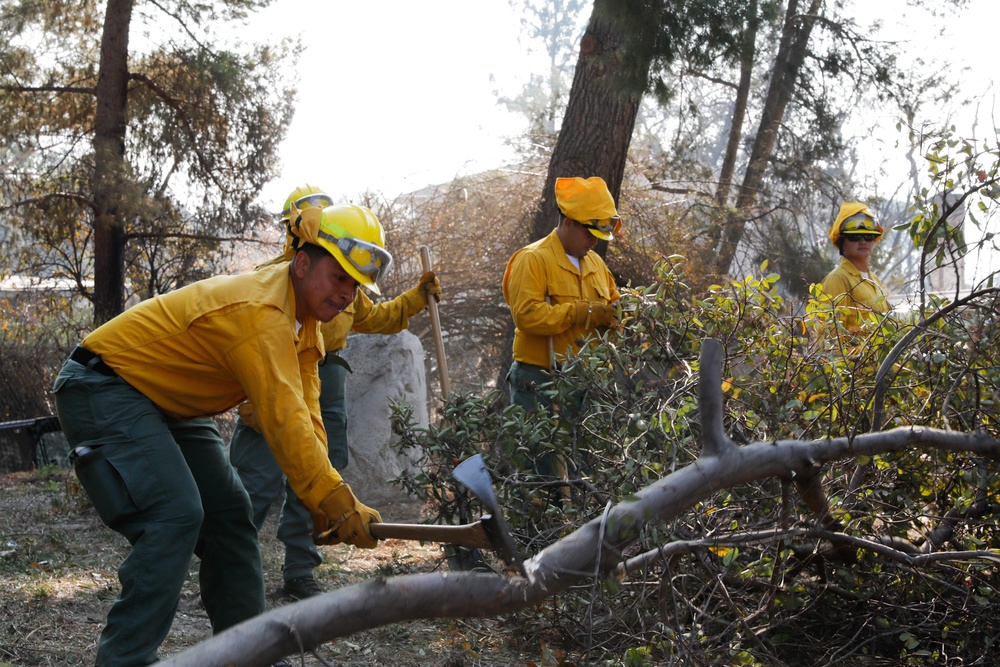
965 44
396 94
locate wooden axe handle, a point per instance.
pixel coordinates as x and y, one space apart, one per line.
432 306
469 534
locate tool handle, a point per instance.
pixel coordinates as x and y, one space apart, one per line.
432 306
470 534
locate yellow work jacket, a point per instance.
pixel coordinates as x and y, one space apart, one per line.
202 349
854 296
364 316
542 270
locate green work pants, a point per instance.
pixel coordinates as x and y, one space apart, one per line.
168 488
263 478
524 381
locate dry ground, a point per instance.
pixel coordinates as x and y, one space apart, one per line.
58 578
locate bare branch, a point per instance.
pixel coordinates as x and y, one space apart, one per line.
72 196
196 237
881 386
714 441
712 79
593 550
89 90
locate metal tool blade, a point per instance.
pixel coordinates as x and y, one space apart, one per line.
473 474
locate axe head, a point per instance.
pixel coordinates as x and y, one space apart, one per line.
473 474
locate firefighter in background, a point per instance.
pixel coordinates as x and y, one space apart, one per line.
248 448
856 292
560 292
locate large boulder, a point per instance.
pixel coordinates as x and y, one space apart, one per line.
386 370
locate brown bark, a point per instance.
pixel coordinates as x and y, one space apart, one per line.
597 128
739 109
787 65
109 162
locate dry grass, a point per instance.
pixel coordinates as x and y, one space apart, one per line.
58 579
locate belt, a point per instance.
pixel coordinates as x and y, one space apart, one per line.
85 357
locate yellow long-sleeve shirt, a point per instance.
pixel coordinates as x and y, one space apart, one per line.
542 269
202 349
364 316
854 295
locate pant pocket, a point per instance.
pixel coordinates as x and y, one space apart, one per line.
105 486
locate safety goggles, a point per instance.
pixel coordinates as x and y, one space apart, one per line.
318 199
858 238
859 223
605 226
369 259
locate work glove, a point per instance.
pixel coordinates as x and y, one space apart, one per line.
595 315
415 299
429 285
246 413
342 518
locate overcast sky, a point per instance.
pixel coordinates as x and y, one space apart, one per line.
398 94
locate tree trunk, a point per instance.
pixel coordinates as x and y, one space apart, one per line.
109 162
739 112
597 128
787 65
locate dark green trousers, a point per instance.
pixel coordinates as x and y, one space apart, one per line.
169 489
524 381
263 478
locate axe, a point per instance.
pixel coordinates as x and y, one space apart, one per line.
489 532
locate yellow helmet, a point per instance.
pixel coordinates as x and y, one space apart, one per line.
854 218
352 234
589 202
303 197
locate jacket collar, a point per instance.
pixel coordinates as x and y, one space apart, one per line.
587 265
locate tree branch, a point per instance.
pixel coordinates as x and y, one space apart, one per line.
714 441
595 549
182 121
881 386
89 90
71 196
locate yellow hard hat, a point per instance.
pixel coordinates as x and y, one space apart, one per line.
304 196
589 202
854 218
352 234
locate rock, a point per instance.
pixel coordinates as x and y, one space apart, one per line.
385 370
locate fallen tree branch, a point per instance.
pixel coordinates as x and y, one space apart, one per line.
595 549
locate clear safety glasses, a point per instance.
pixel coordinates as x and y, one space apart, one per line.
606 226
859 223
369 259
319 200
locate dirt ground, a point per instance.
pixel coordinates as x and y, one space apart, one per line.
58 579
